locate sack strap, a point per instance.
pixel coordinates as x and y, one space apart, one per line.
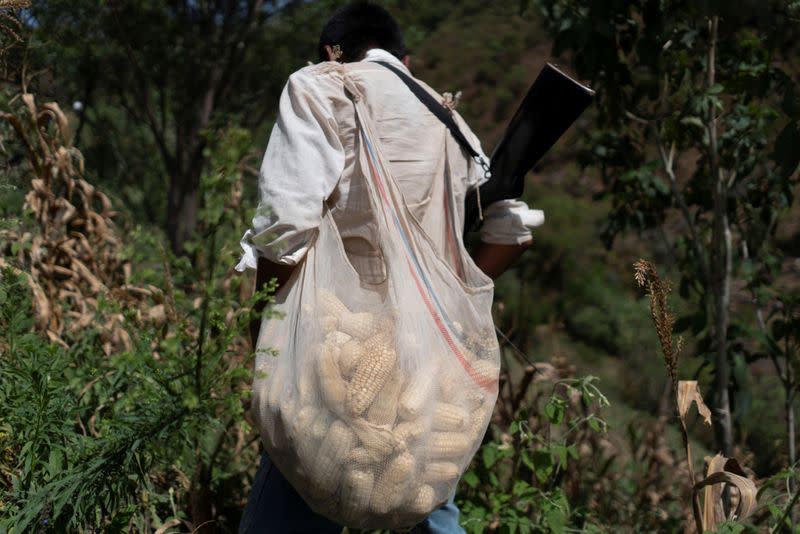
441 113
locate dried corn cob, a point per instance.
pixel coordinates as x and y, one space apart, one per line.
329 323
305 443
307 387
329 464
422 501
438 472
377 440
320 425
449 417
371 374
351 353
391 486
480 421
356 490
362 456
383 410
486 368
359 325
334 388
331 304
337 338
416 395
448 445
409 431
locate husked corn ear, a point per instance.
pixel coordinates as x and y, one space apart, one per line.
337 338
437 472
307 387
391 486
409 431
480 421
417 393
376 439
363 456
329 323
449 417
351 353
329 463
486 368
448 444
423 500
357 489
331 304
306 442
333 386
383 410
371 374
360 325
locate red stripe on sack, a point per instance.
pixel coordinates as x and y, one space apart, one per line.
487 383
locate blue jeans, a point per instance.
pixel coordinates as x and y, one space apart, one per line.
274 507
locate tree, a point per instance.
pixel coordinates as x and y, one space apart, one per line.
164 73
695 117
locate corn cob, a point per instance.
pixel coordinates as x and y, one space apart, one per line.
409 431
356 491
329 323
486 368
480 421
450 445
377 440
422 501
305 442
359 325
329 464
307 387
391 487
416 395
371 374
351 353
438 472
337 338
334 388
331 304
449 417
363 457
383 410
320 425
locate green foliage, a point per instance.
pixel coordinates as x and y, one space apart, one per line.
91 441
680 143
515 484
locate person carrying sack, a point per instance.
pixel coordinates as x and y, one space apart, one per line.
375 385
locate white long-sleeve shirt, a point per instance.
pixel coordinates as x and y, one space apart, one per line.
310 164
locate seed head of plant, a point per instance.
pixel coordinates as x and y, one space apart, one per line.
646 277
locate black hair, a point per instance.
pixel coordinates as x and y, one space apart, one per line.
359 26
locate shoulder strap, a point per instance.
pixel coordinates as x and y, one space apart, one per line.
440 112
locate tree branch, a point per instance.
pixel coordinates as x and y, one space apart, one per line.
667 161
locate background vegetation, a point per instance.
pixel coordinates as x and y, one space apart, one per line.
130 136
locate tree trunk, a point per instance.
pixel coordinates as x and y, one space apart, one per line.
182 205
720 267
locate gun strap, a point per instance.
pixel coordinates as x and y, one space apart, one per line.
441 113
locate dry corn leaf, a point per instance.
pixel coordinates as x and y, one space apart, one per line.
53 109
722 471
688 392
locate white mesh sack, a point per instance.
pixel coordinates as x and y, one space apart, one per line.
372 398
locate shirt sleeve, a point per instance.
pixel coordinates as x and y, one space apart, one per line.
301 167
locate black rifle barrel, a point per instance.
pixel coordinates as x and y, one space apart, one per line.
552 104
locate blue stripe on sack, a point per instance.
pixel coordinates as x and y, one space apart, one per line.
409 250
